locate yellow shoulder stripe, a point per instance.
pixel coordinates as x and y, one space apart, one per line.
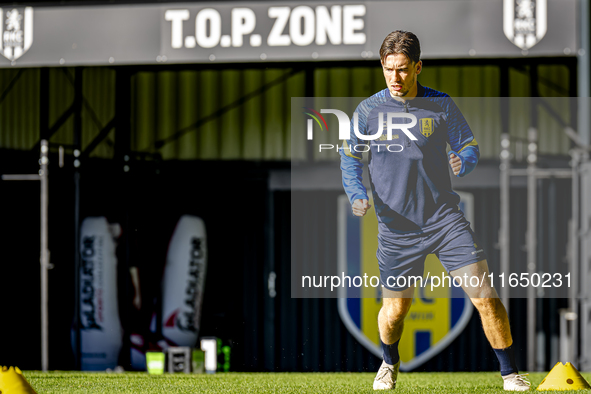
471 143
348 151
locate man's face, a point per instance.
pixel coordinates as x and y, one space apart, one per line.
401 75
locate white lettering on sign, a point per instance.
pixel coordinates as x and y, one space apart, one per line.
328 25
243 22
302 26
176 17
276 37
351 23
302 34
205 16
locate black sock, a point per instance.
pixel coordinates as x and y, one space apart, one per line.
507 360
391 355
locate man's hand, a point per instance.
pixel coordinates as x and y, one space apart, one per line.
456 163
360 207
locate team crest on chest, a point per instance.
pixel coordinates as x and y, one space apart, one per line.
427 127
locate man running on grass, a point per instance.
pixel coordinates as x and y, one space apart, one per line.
416 207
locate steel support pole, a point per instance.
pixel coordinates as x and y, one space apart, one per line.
584 295
564 354
553 266
77 153
43 172
574 263
44 104
584 126
504 232
531 246
583 69
44 265
123 155
270 280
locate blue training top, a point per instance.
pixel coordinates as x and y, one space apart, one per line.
409 177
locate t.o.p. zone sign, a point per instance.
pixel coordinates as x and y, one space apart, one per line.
240 31
276 32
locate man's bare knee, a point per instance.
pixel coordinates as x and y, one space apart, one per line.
484 292
395 309
487 306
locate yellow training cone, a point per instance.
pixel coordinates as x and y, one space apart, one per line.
564 377
12 381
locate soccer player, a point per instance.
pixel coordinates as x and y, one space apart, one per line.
417 209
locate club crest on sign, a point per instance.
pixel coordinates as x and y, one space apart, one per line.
525 21
17 31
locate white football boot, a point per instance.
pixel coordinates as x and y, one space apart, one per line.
386 377
516 382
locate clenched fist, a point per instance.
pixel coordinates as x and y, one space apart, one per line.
456 163
360 207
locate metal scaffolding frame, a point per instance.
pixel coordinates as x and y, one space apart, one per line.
42 176
582 233
573 347
585 241
575 333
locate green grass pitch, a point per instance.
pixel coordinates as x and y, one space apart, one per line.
419 382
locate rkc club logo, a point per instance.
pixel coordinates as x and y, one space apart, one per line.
436 317
427 127
525 21
17 32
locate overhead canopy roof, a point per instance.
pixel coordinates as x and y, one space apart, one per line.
281 31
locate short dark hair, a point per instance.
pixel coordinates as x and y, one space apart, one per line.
401 41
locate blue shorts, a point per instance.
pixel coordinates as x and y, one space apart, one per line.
454 243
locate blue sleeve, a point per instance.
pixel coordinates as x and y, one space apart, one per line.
351 165
460 137
469 157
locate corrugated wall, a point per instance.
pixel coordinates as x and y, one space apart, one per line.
98 106
244 114
553 82
19 108
226 115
